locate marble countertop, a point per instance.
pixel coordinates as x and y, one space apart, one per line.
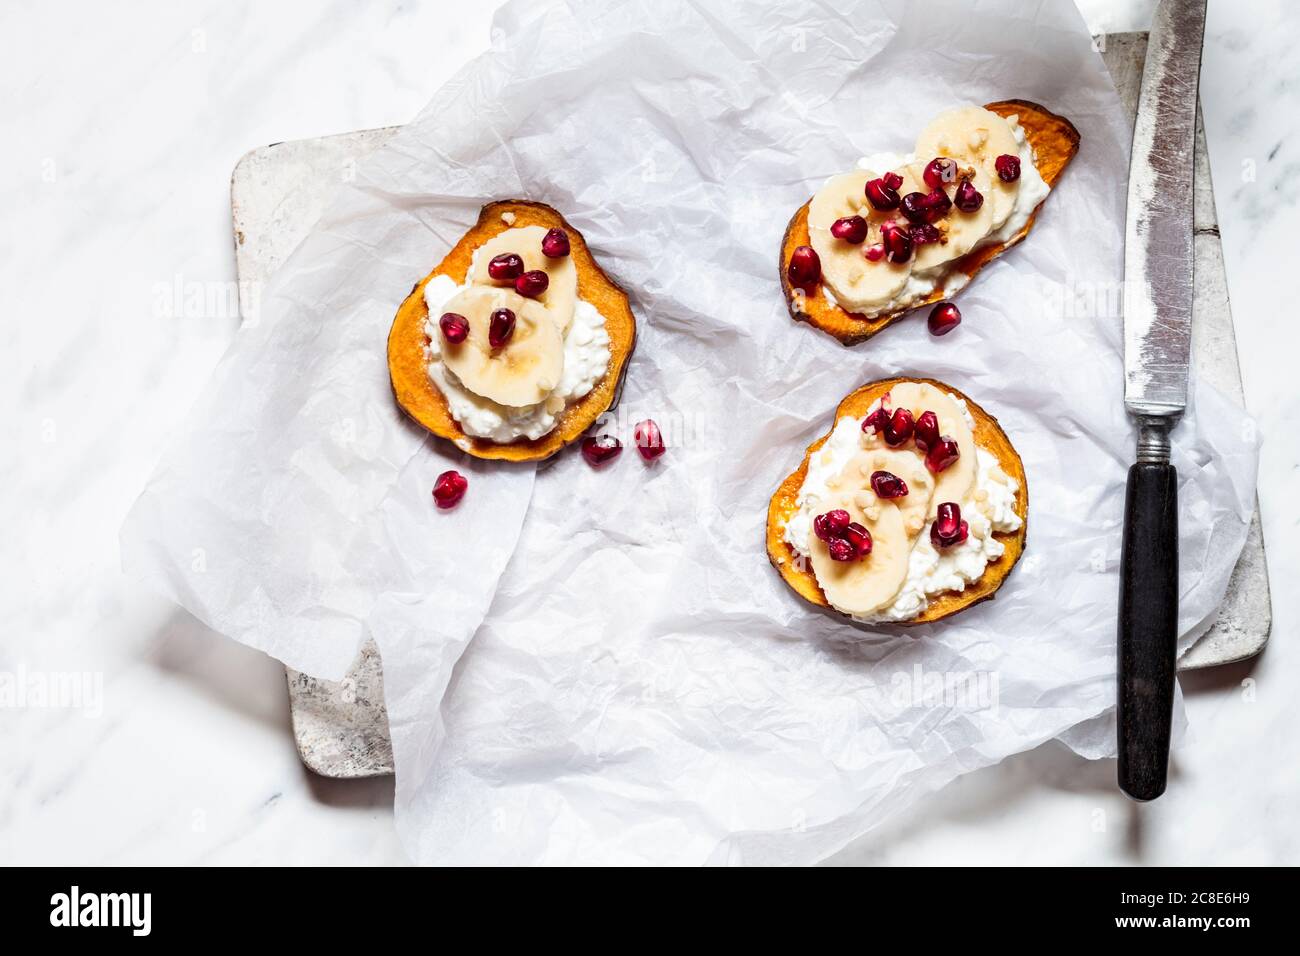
121 132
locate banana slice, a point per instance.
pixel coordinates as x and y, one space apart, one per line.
560 296
857 284
964 230
906 464
978 136
522 372
862 586
955 482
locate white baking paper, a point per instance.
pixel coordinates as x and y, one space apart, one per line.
643 687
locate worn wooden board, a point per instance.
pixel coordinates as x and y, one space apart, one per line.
279 191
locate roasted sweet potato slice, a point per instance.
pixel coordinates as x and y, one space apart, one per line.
988 435
407 366
1054 139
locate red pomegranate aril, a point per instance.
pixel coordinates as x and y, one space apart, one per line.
454 326
851 229
925 234
555 244
1008 167
939 171
599 449
874 252
860 538
941 454
926 432
881 195
925 207
900 427
897 242
842 550
506 267
886 484
892 180
649 440
967 198
944 317
501 327
877 420
449 488
532 284
948 528
805 267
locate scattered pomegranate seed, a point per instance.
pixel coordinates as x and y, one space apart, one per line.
926 432
900 427
886 484
805 267
948 528
455 327
897 241
852 229
506 267
967 198
944 317
555 244
1008 167
874 252
926 207
881 195
501 327
925 234
877 420
831 525
941 454
860 538
532 284
599 449
939 171
892 180
649 440
449 489
841 550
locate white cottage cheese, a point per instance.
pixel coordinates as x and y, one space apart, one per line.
990 508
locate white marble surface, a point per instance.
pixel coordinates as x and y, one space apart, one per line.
120 131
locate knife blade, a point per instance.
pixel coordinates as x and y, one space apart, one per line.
1158 275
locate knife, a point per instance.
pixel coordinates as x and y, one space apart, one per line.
1157 347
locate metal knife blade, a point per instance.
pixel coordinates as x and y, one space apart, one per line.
1158 235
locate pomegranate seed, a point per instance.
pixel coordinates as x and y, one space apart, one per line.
831 525
926 432
925 234
501 327
886 484
944 317
967 198
555 244
852 229
948 528
532 284
455 327
941 454
877 420
449 489
881 195
900 427
892 180
1008 167
874 252
898 244
860 538
842 550
506 267
939 171
805 267
926 207
599 449
649 440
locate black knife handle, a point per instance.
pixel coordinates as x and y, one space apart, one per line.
1148 627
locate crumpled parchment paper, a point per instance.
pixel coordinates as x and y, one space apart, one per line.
640 685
